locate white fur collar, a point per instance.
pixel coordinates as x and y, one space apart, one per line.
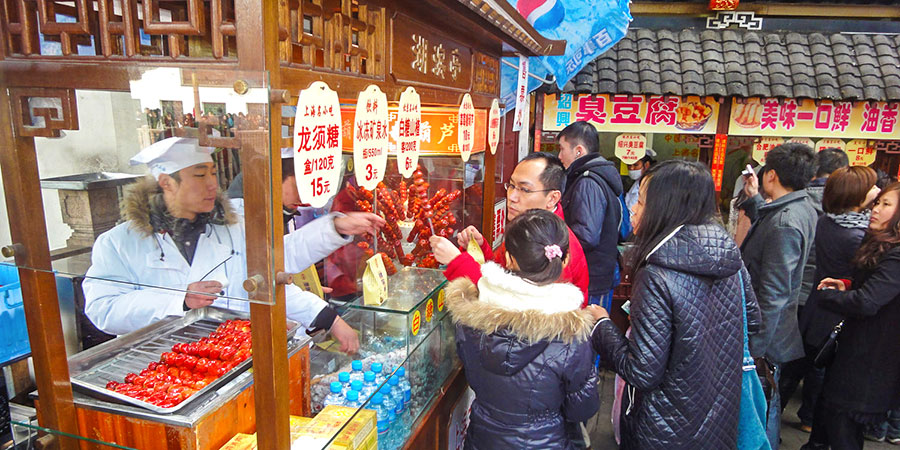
507 291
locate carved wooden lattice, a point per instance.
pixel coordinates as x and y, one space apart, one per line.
136 29
338 35
43 112
889 147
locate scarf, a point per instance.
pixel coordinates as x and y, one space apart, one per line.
851 219
185 233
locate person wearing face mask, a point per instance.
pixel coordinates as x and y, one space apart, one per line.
635 172
862 383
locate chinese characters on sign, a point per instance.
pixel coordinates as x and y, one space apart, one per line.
830 143
370 137
466 127
631 147
633 113
803 140
499 223
432 141
718 160
521 95
762 147
494 126
860 152
317 144
409 129
805 118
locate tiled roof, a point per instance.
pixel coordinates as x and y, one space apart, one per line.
747 64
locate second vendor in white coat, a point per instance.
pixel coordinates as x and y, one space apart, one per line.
180 235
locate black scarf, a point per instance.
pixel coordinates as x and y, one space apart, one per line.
185 233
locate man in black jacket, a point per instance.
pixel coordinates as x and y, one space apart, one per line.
591 205
775 252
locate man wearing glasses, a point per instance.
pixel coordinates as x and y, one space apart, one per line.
536 183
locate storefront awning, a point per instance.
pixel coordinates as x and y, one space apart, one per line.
747 64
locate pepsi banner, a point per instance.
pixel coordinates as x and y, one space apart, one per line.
589 27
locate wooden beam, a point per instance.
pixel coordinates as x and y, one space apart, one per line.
700 9
27 226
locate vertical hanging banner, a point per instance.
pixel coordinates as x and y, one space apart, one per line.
409 120
860 153
521 115
499 224
718 160
370 137
830 143
494 126
631 147
761 148
466 123
317 144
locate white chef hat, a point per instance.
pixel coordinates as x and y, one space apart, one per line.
171 155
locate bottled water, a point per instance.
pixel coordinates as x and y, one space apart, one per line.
356 385
356 372
379 376
368 387
352 399
335 397
382 419
344 378
403 383
389 403
394 383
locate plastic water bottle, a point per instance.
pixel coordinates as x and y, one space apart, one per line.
389 402
356 385
382 419
357 372
352 399
379 376
403 383
369 387
394 383
335 397
344 378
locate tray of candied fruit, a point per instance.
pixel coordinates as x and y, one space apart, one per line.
166 365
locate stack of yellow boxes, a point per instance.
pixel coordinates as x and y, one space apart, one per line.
359 434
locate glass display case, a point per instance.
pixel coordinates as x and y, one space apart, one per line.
410 336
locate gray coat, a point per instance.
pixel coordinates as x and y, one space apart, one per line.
775 252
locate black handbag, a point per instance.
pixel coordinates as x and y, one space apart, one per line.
766 374
826 353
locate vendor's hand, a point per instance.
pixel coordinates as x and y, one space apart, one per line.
468 233
831 283
597 312
354 223
327 290
196 300
751 185
444 250
346 335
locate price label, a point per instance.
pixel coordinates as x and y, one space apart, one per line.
409 129
370 137
860 153
440 301
317 144
466 123
494 126
763 146
416 323
830 143
429 310
631 147
803 140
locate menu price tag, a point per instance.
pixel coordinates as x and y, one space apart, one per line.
631 147
409 120
761 148
466 124
317 144
830 143
370 137
494 126
860 153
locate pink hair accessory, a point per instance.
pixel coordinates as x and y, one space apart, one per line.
552 251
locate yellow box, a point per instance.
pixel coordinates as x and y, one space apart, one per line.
298 426
241 441
371 442
355 436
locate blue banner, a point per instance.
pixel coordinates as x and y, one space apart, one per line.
589 27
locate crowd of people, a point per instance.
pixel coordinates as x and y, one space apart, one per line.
720 334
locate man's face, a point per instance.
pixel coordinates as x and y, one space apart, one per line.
195 194
290 196
527 177
568 153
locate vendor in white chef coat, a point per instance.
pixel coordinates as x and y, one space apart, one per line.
181 235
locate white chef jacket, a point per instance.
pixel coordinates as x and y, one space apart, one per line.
135 280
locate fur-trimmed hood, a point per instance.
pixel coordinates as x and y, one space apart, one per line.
135 206
503 302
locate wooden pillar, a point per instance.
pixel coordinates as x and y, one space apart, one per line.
257 24
28 229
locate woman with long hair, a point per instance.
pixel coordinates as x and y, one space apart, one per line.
683 360
863 382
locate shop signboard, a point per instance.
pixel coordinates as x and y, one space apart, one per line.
718 160
633 113
762 147
423 56
830 143
860 153
631 147
316 148
494 126
809 118
466 127
438 130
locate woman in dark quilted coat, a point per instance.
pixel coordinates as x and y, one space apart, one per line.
523 341
683 360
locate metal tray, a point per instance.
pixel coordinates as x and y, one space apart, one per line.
111 361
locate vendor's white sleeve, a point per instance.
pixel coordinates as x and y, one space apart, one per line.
312 242
302 306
